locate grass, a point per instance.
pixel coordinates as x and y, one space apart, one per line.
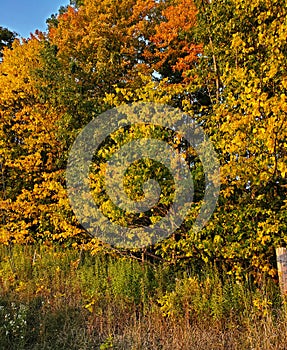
55 298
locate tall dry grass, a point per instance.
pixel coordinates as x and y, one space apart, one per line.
54 298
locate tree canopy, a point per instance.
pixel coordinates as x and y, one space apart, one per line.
224 63
6 38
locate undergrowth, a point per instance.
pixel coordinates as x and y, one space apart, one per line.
55 298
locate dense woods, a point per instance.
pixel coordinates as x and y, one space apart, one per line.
224 63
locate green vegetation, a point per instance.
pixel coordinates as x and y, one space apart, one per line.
55 298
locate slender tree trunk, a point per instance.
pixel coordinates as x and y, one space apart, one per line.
215 68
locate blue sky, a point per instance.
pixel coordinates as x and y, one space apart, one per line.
25 16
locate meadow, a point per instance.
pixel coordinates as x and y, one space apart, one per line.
60 298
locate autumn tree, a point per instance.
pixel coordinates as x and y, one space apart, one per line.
62 84
238 94
173 50
243 70
221 62
33 198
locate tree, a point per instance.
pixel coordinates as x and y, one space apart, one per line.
222 62
33 196
6 39
241 79
243 69
62 84
173 50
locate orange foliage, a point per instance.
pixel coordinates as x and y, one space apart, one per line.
173 37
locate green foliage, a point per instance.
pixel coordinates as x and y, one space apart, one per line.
6 39
221 62
108 344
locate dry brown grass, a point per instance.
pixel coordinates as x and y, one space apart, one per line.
153 332
116 304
